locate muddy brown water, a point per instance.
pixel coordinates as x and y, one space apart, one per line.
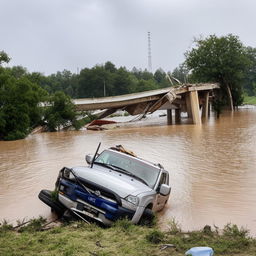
212 167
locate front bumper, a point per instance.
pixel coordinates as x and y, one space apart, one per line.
104 210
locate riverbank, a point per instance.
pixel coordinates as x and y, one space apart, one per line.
79 238
249 100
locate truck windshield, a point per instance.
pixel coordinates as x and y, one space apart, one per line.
132 165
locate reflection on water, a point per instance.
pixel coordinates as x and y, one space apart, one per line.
212 167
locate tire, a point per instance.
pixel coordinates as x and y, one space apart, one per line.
147 218
46 197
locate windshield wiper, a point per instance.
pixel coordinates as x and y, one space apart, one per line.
119 169
106 165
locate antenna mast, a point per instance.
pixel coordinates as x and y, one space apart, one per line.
149 54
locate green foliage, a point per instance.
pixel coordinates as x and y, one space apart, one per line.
232 241
79 238
5 226
54 195
21 94
249 83
159 76
4 58
217 105
223 60
34 225
19 109
181 73
60 112
233 231
61 81
174 226
124 225
112 81
250 100
155 236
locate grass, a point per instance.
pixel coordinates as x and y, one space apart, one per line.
249 100
123 238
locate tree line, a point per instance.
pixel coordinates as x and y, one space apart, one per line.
213 59
22 94
99 81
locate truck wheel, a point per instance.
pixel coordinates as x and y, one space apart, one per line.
46 197
147 217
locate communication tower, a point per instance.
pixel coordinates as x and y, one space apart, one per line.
149 54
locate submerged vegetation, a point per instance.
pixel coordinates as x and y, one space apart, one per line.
124 238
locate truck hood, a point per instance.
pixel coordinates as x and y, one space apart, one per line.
120 183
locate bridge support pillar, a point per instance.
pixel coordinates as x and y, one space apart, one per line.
205 110
194 103
177 115
188 105
169 116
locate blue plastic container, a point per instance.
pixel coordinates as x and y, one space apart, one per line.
200 251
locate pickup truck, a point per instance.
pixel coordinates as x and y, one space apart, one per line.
115 185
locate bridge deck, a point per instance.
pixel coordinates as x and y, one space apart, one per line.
136 98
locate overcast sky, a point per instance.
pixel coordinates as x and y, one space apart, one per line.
52 35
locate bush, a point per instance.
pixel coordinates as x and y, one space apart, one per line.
61 112
4 226
155 236
232 230
123 224
34 225
174 227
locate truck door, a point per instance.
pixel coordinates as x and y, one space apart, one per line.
160 199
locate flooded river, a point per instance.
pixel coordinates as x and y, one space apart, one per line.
212 167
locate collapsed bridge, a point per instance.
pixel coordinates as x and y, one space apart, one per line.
183 98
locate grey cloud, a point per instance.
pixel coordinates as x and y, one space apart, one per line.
48 36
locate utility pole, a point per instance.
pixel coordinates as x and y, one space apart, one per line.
104 88
104 82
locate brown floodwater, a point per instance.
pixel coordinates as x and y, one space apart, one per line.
212 167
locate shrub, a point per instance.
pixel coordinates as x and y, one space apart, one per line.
34 225
4 226
232 230
174 227
155 236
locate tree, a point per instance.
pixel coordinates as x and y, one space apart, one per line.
159 75
181 73
93 82
146 85
223 60
4 58
19 106
122 82
109 66
61 112
18 71
249 83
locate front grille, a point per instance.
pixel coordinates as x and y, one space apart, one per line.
100 191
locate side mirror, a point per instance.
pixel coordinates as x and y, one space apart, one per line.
89 158
164 190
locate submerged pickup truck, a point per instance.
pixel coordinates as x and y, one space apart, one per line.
114 185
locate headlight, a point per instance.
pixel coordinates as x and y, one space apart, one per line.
132 199
67 174
130 202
